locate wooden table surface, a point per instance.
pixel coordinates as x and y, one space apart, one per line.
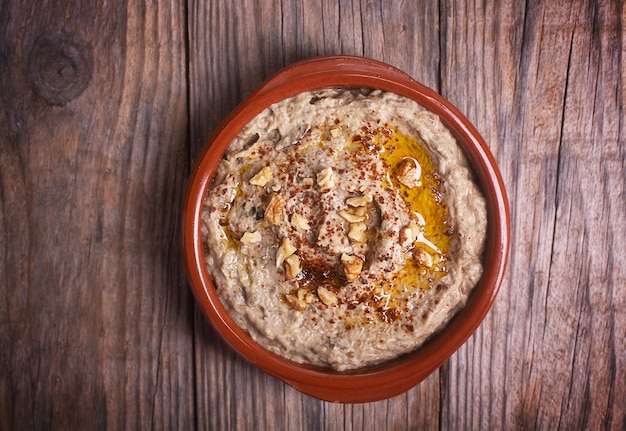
104 106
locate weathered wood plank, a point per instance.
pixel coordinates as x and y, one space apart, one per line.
94 310
97 327
542 81
588 250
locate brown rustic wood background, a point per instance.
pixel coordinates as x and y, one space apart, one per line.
104 106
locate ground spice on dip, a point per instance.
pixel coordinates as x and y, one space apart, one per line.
343 227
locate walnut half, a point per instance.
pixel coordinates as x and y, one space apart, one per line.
326 179
351 266
285 250
351 217
408 235
360 201
357 232
300 222
326 296
262 177
409 172
251 237
300 300
292 266
274 210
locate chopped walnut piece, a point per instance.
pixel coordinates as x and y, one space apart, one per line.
423 257
352 218
300 222
296 303
285 250
335 132
250 237
274 210
360 211
309 298
262 177
409 234
351 266
359 201
326 296
301 294
299 300
357 232
292 266
326 179
409 172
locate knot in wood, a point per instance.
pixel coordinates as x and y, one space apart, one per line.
59 67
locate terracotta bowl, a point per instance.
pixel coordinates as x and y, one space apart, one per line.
396 376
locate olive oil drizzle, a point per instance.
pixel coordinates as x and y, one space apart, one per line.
389 297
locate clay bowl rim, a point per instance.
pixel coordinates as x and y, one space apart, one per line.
396 376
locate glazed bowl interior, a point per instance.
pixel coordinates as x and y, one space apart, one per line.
396 376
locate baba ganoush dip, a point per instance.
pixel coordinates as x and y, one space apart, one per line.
343 227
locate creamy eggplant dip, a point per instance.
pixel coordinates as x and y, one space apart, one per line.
343 227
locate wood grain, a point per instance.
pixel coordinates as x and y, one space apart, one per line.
551 112
95 312
98 329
